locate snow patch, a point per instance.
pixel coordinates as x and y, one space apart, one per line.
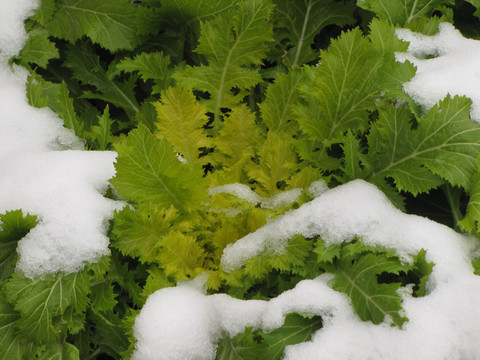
447 63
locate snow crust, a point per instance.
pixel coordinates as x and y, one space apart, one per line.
183 323
44 171
447 63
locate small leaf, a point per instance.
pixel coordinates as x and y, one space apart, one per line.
181 120
372 301
14 226
180 255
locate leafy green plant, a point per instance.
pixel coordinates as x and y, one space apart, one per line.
193 95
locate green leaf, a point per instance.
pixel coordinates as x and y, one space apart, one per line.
137 233
279 98
110 333
277 162
67 112
39 49
296 329
240 347
445 144
12 345
42 303
238 140
402 12
149 172
14 226
86 68
471 220
372 301
181 256
61 351
231 43
304 20
103 297
181 120
342 90
100 134
151 66
111 24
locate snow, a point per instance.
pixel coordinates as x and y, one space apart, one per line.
442 325
244 192
447 63
44 171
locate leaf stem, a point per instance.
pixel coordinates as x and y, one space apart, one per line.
453 195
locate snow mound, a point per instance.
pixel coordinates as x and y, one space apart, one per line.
443 325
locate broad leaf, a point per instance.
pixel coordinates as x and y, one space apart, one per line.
342 90
372 301
240 347
181 256
445 144
149 172
43 302
137 233
39 49
295 330
277 161
110 24
279 98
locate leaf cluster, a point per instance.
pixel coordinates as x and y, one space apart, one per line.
270 95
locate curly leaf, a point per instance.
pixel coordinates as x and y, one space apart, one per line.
181 120
180 256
